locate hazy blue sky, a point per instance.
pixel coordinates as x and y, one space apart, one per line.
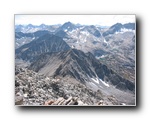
105 20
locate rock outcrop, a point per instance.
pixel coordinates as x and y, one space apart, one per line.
62 101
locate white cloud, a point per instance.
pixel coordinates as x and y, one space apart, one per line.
106 20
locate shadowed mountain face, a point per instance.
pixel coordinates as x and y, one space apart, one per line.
46 43
35 34
129 26
83 67
24 38
92 30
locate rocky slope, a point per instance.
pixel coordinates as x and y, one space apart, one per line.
83 67
34 89
115 45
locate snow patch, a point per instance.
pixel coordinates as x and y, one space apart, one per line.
85 40
98 57
84 32
65 39
81 27
17 43
102 56
65 30
105 41
93 85
123 30
107 85
72 31
95 80
72 46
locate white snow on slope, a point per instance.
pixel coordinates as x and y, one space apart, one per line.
105 41
85 33
95 80
123 30
107 85
65 30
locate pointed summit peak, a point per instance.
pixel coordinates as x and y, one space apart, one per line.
117 25
68 26
30 25
68 22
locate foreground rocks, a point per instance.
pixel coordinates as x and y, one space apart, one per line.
34 89
62 101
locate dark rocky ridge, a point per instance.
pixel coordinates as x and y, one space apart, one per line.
46 43
61 34
81 66
35 34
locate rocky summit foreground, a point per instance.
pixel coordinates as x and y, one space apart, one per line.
34 89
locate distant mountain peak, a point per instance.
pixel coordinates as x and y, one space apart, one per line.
42 25
30 25
68 26
118 28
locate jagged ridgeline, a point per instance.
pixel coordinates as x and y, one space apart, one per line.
99 61
44 44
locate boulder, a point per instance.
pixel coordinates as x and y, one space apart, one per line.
101 102
59 100
18 100
50 102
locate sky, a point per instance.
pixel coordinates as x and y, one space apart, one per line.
103 20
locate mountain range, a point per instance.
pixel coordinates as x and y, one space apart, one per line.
80 66
99 58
